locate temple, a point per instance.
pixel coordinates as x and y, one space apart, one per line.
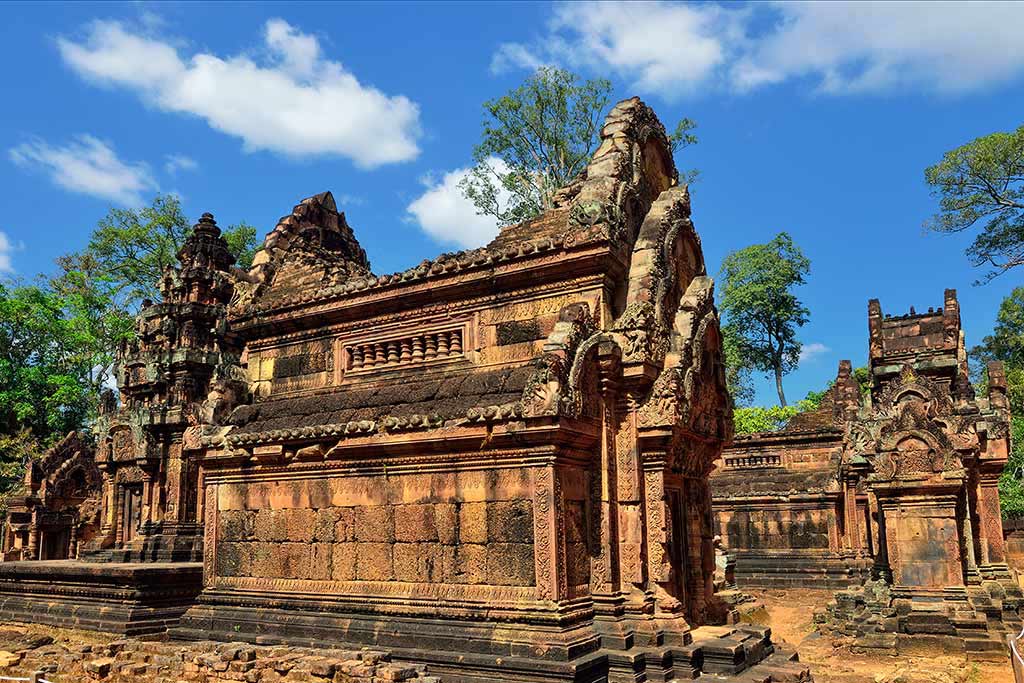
55 511
893 497
781 503
494 463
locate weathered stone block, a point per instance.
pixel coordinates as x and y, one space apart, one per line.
324 526
375 524
271 525
473 523
343 561
296 559
300 525
227 559
374 562
345 527
237 525
510 522
510 564
470 565
446 521
415 523
320 561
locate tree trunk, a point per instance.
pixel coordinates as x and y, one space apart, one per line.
778 385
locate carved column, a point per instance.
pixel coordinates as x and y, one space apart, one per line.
147 496
545 533
33 536
853 528
990 527
657 530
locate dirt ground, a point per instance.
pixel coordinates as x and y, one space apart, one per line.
790 615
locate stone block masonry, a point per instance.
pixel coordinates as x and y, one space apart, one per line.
65 657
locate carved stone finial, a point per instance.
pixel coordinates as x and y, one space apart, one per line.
207 225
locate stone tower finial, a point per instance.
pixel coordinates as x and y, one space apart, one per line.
207 225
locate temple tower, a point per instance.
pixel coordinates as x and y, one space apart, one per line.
165 374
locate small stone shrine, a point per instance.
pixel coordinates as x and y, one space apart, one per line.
56 509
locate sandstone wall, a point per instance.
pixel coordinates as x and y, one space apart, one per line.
462 528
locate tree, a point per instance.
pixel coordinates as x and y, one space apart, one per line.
1006 343
760 309
538 138
45 369
982 183
241 239
737 374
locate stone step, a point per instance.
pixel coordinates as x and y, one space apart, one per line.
732 650
781 667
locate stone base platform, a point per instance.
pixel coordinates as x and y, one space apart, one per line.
460 651
973 622
767 569
124 598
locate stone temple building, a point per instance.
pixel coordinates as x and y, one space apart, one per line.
55 511
494 463
896 497
781 505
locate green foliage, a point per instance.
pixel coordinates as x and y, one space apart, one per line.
241 239
16 449
679 140
132 247
753 419
760 309
45 366
737 375
1011 483
1006 343
542 134
981 184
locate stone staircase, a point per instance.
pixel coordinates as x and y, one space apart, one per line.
993 615
732 654
745 654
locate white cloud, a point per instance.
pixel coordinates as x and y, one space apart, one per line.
840 47
661 47
7 247
179 162
851 47
812 351
89 166
294 102
446 215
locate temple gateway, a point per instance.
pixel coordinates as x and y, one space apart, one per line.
494 463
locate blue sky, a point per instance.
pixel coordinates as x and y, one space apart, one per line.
818 119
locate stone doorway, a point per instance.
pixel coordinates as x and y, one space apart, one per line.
55 544
131 512
680 549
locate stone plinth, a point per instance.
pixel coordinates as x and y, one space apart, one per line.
128 599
